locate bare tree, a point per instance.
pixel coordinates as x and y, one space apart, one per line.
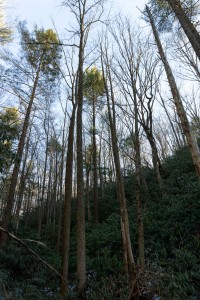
68 180
86 13
128 255
177 99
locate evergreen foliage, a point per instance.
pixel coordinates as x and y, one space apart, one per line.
9 129
172 231
164 16
100 197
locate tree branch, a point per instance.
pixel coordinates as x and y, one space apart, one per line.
32 252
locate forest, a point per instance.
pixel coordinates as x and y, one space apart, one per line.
100 155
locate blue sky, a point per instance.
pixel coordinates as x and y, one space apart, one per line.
41 12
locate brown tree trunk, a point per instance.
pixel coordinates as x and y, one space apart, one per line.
155 159
177 100
128 255
13 184
189 29
28 205
41 202
138 184
23 177
86 13
81 255
67 205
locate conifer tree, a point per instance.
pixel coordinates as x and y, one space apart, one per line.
41 51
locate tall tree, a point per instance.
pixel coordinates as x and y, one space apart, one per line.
183 11
93 88
110 97
128 73
42 53
9 129
87 13
194 150
68 190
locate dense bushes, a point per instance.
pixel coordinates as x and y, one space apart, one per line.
24 277
172 239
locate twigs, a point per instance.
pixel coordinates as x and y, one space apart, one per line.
31 251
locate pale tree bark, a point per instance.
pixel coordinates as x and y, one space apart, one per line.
100 164
55 191
129 62
145 117
177 139
88 163
94 152
193 147
49 190
61 181
128 254
184 53
41 200
24 175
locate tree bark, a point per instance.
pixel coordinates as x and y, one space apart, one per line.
128 254
95 177
41 202
61 183
13 184
194 150
189 29
138 176
67 205
23 178
81 255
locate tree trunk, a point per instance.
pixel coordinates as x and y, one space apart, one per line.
13 184
23 178
155 159
94 149
67 205
40 215
177 100
49 192
88 193
128 255
138 176
101 183
28 205
178 141
189 29
81 255
55 193
61 184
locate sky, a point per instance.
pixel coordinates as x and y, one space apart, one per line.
42 12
